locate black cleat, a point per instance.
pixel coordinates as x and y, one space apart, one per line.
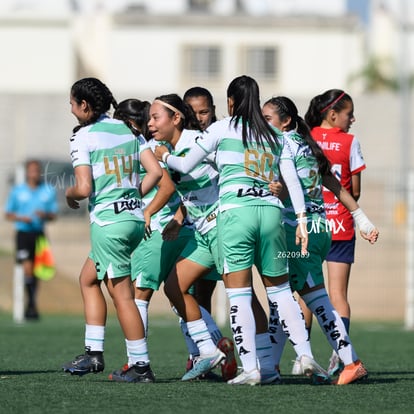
86 363
139 372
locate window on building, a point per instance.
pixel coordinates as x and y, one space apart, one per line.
261 62
200 5
203 62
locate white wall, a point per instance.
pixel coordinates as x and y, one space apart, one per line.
36 56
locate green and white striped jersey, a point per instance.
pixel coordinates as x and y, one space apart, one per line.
160 219
311 180
198 189
245 173
113 152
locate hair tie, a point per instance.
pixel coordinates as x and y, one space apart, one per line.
172 108
333 102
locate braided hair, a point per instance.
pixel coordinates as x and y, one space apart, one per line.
96 94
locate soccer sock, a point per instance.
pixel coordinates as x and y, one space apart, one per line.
142 306
200 335
346 322
31 289
264 352
137 351
212 327
277 335
191 345
243 325
331 323
291 317
94 338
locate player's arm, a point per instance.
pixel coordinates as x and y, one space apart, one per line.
82 187
153 169
367 229
356 186
165 190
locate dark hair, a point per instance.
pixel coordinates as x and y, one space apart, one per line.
137 111
198 91
96 94
31 161
286 108
190 121
320 105
244 91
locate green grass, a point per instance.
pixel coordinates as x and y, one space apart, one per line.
31 380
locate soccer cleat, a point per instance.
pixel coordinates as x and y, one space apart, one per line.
86 363
296 368
140 372
246 378
335 365
352 373
313 370
229 365
190 363
204 365
31 313
269 377
209 376
118 371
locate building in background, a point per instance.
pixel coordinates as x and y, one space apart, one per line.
142 48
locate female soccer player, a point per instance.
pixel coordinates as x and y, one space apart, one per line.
330 116
248 153
306 273
106 157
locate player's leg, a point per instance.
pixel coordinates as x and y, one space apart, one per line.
95 312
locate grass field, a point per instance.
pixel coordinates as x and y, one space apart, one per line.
31 380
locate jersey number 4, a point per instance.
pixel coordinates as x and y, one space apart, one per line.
119 162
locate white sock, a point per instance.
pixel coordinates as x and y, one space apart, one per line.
331 323
142 306
277 335
200 335
94 338
243 325
137 351
212 327
291 317
192 348
264 352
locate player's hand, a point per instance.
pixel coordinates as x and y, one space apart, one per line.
372 237
159 151
171 230
275 188
72 203
302 235
148 230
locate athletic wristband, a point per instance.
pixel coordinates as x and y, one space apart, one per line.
362 221
302 220
165 156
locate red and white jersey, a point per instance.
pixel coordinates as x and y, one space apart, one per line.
344 153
